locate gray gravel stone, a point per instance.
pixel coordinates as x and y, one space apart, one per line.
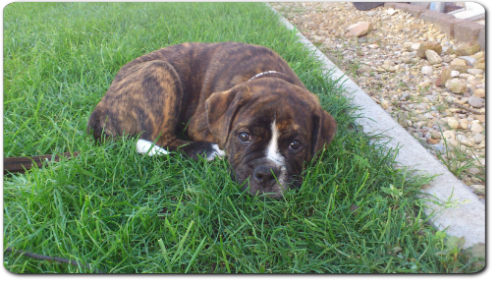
439 148
475 102
478 138
470 60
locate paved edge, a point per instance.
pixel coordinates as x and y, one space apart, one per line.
463 214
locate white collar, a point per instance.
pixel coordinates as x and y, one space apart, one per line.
265 73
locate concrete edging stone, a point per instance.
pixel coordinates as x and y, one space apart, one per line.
461 30
462 215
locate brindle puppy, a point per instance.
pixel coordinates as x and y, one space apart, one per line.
243 99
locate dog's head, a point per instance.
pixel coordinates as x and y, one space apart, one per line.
268 129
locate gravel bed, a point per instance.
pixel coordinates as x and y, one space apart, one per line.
432 85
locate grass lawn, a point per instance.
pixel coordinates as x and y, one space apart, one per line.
123 213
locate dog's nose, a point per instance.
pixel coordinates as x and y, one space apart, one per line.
265 174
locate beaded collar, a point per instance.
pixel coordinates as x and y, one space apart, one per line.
265 73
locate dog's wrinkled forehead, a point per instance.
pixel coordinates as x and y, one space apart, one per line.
274 121
274 111
284 103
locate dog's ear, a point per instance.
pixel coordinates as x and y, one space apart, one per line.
324 129
221 109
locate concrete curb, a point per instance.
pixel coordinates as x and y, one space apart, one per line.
461 30
463 214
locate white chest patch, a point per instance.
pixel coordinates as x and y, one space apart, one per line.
272 151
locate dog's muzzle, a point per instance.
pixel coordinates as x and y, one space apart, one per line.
266 176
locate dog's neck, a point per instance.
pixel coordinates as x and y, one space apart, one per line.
265 73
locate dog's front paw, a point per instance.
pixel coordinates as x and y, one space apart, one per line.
215 152
201 148
147 147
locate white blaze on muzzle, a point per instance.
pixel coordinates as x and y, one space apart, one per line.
274 157
272 151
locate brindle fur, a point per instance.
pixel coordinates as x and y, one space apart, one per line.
205 87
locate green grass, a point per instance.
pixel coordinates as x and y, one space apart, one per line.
123 213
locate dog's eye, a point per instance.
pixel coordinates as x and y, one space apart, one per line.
295 145
244 137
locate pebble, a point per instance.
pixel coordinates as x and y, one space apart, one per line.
453 123
474 170
461 101
419 124
480 118
428 46
475 71
445 75
479 93
431 98
435 134
470 78
467 48
359 29
447 59
478 189
449 135
453 143
454 73
476 128
431 141
470 60
467 142
460 68
424 84
385 103
478 138
480 64
479 55
364 69
433 57
421 106
427 70
460 62
405 96
456 85
481 145
439 148
475 102
391 11
480 161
